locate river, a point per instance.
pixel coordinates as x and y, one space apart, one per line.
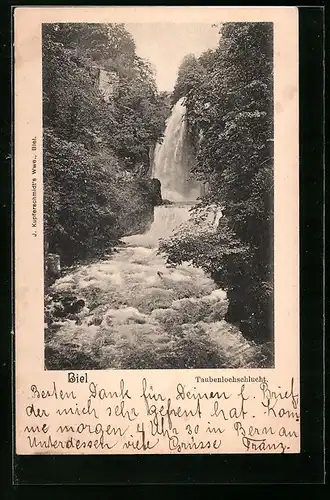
138 312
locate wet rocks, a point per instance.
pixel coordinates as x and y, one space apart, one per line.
60 307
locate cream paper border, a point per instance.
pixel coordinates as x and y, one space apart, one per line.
29 322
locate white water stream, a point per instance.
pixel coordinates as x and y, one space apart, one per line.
140 312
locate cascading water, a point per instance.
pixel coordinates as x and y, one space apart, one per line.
172 167
173 160
167 218
139 311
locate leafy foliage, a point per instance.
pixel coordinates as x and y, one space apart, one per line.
96 151
189 74
229 100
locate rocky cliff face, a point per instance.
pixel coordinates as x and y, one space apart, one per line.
154 187
146 194
151 158
107 82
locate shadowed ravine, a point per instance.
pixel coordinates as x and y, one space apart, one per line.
137 312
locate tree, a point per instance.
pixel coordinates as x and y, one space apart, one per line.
91 146
230 120
189 74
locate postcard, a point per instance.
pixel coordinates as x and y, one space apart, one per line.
156 230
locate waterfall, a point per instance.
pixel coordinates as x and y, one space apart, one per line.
167 219
140 312
173 160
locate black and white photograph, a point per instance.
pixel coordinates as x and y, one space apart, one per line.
157 230
158 204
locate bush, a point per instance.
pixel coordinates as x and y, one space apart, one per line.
96 153
229 102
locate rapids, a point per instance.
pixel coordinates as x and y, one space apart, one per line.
139 312
173 160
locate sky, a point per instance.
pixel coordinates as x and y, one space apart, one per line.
165 45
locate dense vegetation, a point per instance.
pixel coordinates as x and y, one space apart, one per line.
96 158
97 152
229 100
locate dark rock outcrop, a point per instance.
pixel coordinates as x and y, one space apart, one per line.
156 193
52 268
61 307
254 326
145 194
